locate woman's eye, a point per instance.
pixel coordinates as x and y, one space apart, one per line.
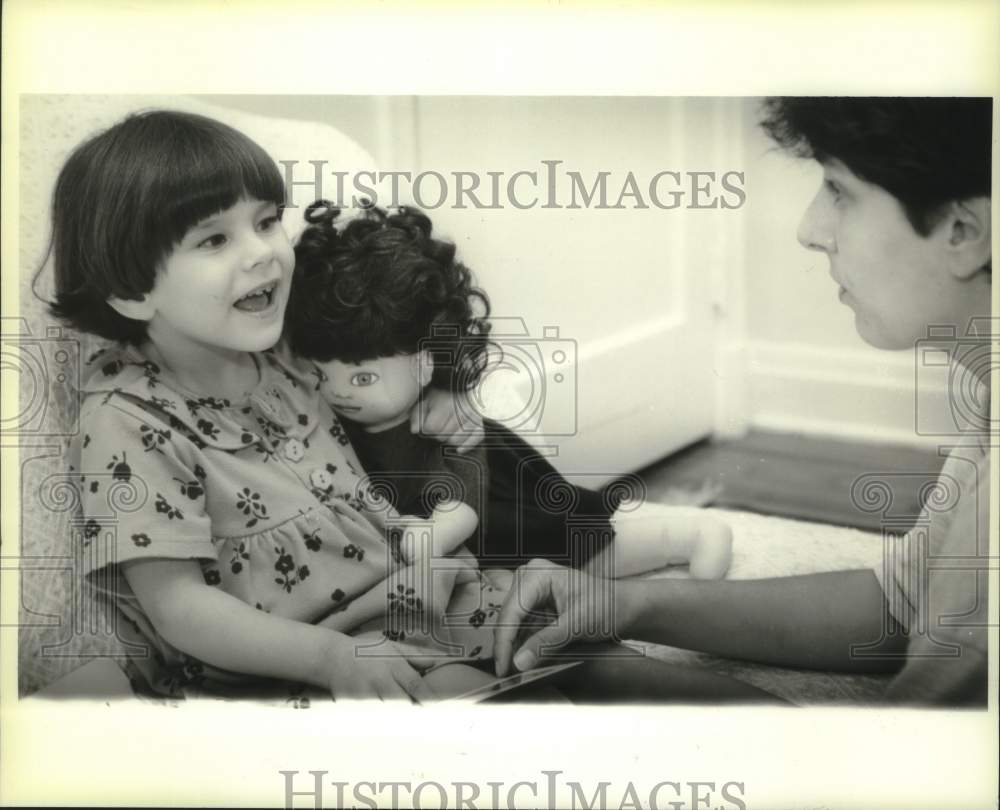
213 241
364 378
833 188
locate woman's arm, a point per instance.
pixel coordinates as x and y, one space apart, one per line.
811 621
804 621
219 629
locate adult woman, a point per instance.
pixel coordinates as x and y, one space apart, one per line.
904 217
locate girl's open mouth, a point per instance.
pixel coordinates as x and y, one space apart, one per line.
257 300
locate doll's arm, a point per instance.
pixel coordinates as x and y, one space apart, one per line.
220 629
450 524
448 418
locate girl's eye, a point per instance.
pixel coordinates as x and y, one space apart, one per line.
364 378
268 223
833 188
213 241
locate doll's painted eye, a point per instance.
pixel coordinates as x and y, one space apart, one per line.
363 378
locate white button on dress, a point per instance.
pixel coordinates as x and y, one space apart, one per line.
321 478
295 450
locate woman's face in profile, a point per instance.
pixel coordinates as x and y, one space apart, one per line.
895 280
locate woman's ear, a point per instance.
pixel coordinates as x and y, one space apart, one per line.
140 309
969 236
423 367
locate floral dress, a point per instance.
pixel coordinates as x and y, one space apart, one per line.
265 493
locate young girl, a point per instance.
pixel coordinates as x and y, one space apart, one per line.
389 313
222 501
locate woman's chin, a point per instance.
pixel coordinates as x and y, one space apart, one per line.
877 337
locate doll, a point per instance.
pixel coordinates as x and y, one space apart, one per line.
386 312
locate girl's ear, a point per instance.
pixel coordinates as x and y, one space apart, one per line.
140 309
969 236
423 367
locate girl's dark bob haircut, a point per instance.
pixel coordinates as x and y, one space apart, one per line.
126 197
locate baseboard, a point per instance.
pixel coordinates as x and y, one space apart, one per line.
863 395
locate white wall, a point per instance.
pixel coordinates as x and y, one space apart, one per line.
626 285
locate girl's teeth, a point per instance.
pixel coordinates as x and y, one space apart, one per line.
256 301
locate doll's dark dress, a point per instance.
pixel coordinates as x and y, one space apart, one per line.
526 508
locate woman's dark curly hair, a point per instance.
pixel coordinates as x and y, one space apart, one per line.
382 285
926 152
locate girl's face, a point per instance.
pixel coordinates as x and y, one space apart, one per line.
225 285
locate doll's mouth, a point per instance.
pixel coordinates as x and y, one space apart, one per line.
347 408
257 299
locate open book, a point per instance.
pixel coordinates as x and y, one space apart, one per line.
511 682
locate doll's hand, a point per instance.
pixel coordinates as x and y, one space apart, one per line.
447 418
426 586
354 676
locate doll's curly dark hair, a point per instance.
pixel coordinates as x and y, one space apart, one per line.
382 285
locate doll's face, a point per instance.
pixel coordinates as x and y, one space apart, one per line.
380 393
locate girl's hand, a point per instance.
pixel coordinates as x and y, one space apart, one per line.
448 418
351 675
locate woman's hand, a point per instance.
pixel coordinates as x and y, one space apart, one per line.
585 608
448 418
351 675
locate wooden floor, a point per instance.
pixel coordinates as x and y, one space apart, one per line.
793 476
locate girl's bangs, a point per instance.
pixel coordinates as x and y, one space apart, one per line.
212 177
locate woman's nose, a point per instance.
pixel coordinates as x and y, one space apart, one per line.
816 227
